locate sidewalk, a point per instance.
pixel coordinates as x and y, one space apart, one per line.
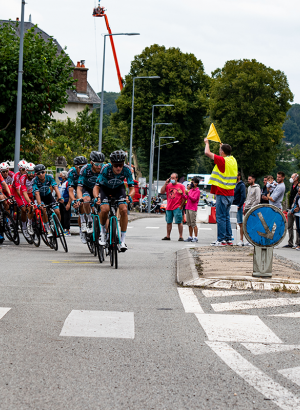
230 267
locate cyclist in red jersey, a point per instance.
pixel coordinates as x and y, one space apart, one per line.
7 176
3 190
27 181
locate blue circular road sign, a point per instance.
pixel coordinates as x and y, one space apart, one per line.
265 226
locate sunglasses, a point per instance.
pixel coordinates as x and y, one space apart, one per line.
40 173
118 165
30 172
97 164
5 170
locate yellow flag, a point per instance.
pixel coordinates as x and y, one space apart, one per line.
213 135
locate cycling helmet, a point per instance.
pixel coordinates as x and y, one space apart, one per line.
22 164
96 156
30 166
117 156
80 160
4 166
39 168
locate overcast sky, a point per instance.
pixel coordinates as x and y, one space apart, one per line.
214 30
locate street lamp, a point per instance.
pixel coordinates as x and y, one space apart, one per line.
158 159
132 106
152 152
102 90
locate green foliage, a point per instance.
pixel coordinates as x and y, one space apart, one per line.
109 101
248 103
182 83
291 125
47 76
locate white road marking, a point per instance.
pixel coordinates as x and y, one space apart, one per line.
152 227
236 328
255 377
255 304
189 300
88 323
220 293
292 314
291 374
3 312
129 227
260 348
204 229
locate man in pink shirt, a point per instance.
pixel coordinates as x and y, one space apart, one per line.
175 195
192 195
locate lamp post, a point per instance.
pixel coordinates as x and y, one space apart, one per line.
132 107
158 159
152 151
102 89
19 96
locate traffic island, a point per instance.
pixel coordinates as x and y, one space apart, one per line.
231 267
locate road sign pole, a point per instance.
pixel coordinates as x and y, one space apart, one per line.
262 262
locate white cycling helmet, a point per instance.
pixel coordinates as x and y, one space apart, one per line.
22 164
30 166
4 166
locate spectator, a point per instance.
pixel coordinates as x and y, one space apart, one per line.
239 200
277 195
65 208
253 194
192 195
294 180
175 195
296 212
223 180
271 184
264 192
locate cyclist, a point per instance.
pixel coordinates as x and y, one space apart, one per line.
86 182
73 176
111 183
42 192
7 176
27 182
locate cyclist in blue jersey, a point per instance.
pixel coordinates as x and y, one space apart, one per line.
111 182
86 182
41 190
73 176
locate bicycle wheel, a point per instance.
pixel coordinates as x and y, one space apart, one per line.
90 243
114 244
53 239
36 237
96 235
100 248
10 228
60 232
28 239
42 230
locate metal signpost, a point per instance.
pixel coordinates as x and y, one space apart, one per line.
265 227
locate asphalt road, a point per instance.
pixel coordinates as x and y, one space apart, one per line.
75 334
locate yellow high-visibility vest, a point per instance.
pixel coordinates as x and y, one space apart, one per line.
227 179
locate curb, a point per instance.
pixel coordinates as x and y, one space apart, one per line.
187 275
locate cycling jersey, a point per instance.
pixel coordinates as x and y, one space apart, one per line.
9 178
1 180
87 177
73 178
111 180
18 181
43 187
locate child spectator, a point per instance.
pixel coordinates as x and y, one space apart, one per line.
271 184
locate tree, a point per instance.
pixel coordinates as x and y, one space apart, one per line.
47 76
109 100
291 125
182 83
248 103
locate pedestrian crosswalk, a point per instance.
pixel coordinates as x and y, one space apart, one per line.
228 331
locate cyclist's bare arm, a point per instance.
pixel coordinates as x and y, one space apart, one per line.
96 191
79 192
6 187
38 197
72 194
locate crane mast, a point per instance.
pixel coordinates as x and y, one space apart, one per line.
100 12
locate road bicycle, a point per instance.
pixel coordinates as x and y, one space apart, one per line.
8 226
56 228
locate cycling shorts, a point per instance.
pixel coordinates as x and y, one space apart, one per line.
87 192
48 199
21 201
118 193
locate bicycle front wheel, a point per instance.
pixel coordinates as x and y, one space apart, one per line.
36 237
114 243
10 228
60 232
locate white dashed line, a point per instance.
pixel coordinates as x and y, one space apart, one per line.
292 314
255 377
221 293
3 312
189 300
255 304
292 374
236 328
260 348
152 227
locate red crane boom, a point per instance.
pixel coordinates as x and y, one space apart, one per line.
100 12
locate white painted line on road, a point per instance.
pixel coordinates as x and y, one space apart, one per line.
221 293
88 323
189 300
260 348
255 377
292 374
292 314
204 229
152 227
255 304
129 227
3 312
236 328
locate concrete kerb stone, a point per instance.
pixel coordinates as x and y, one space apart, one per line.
187 275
